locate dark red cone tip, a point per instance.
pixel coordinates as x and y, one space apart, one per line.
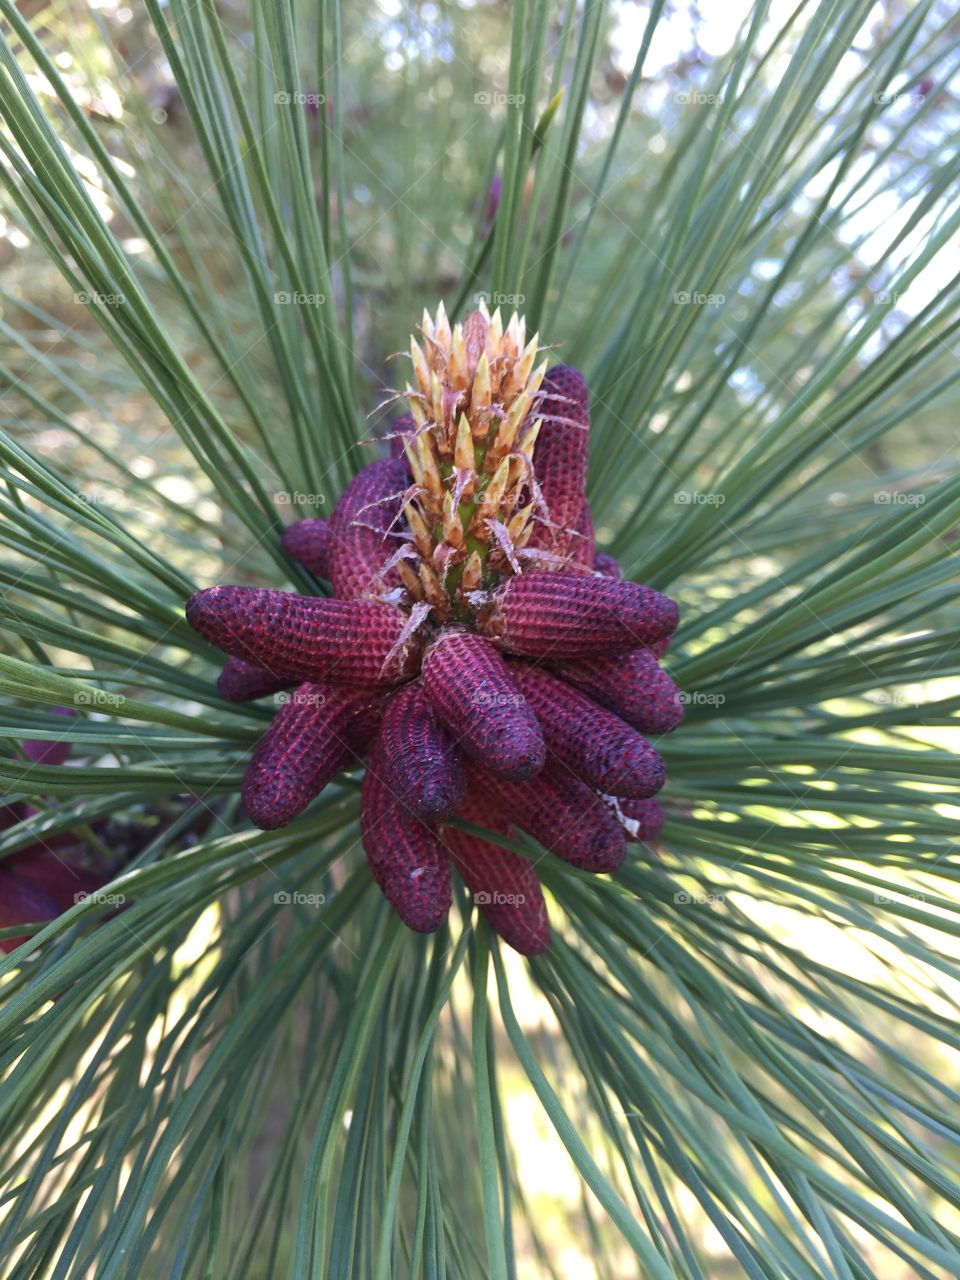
406 857
241 681
503 885
594 744
561 813
421 764
560 456
320 730
360 539
308 542
304 637
571 615
633 686
472 694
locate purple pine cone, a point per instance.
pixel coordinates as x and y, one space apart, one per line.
470 689
421 765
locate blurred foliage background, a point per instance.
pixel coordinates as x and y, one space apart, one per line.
218 223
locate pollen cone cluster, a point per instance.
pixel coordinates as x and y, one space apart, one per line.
477 654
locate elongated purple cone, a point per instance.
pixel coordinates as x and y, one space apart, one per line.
594 744
241 681
504 885
360 541
633 686
22 903
560 456
561 812
305 637
472 694
308 542
421 764
609 568
583 543
406 857
320 730
572 615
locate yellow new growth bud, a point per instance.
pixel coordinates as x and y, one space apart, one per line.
428 463
518 522
493 496
510 426
472 575
410 579
436 399
529 438
518 412
430 583
442 328
457 370
413 458
475 380
463 458
536 378
417 407
480 395
495 335
517 378
452 524
426 324
420 366
513 340
418 527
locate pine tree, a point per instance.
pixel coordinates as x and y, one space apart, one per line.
223 1054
